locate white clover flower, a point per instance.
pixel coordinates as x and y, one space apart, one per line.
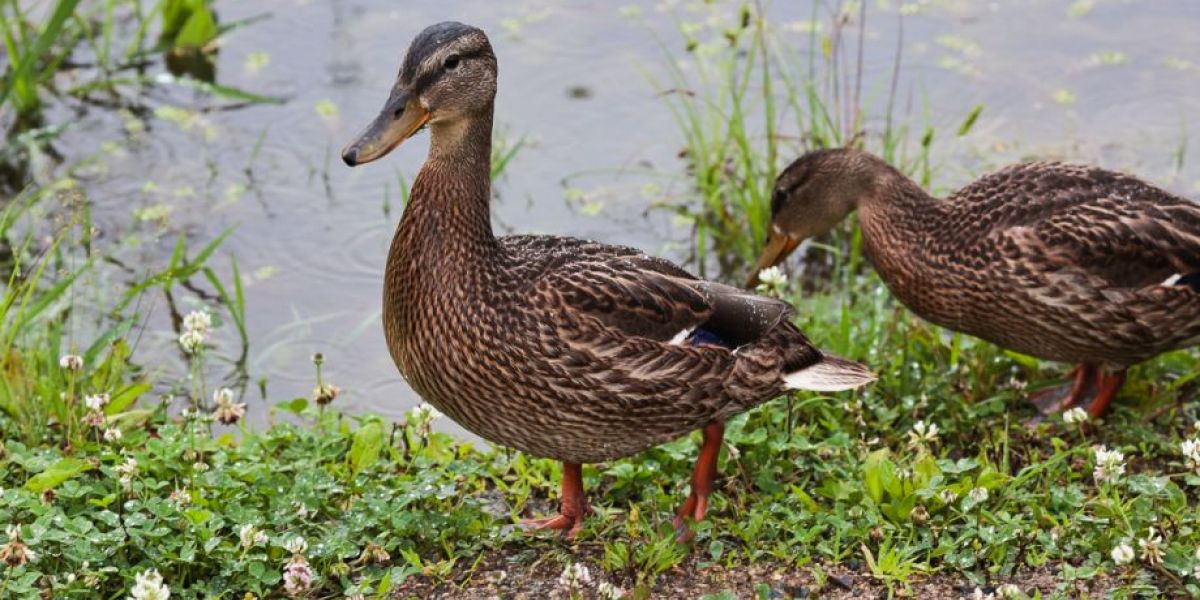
423 417
227 412
112 434
222 396
1151 545
297 577
325 393
296 545
128 468
978 495
574 576
923 432
608 591
1074 416
191 341
947 496
95 402
979 594
251 536
199 321
772 277
1122 554
180 496
70 362
1009 591
15 553
1109 465
1191 451
149 585
199 466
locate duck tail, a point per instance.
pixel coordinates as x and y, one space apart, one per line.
830 374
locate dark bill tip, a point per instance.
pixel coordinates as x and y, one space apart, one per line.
350 156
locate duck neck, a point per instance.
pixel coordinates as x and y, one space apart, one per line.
897 211
448 215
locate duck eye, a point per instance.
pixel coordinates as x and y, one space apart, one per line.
777 201
451 62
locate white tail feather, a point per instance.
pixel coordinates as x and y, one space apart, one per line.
832 374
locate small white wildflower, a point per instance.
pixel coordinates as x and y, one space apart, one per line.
199 321
227 412
297 577
94 419
222 396
1009 591
1122 554
191 341
979 594
199 466
180 496
95 402
70 362
1151 545
1074 416
325 393
1191 451
125 481
423 417
608 591
251 536
112 434
128 468
772 277
149 585
427 412
923 432
1109 465
574 576
15 553
978 495
296 545
947 496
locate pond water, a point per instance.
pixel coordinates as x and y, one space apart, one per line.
1111 82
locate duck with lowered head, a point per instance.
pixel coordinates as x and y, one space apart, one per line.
1062 262
559 347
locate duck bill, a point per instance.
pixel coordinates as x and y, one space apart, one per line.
400 118
778 248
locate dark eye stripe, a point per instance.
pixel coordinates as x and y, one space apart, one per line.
430 77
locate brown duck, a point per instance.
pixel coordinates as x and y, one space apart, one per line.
1062 262
559 347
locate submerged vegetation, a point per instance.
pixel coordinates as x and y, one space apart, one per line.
118 480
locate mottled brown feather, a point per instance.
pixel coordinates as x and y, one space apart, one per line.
1059 261
560 347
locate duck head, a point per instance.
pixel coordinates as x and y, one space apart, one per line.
448 76
812 195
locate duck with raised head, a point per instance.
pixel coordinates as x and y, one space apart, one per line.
562 348
1062 262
